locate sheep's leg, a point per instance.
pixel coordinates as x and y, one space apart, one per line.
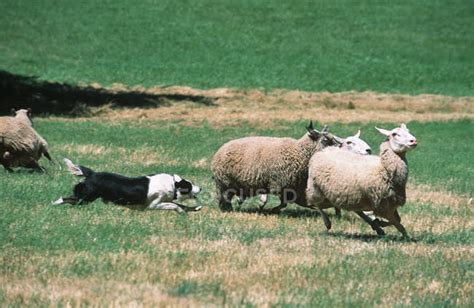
373 223
7 167
225 198
285 196
383 223
277 209
394 218
264 200
5 161
326 220
398 225
241 200
35 166
337 211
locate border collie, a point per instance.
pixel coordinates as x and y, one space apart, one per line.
157 192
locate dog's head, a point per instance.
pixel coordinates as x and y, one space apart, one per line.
185 189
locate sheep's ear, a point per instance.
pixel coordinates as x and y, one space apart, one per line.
13 112
29 112
358 134
337 139
403 126
310 127
383 131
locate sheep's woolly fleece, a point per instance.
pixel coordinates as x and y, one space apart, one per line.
269 163
355 182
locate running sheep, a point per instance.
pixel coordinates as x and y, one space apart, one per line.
363 183
352 143
254 166
20 144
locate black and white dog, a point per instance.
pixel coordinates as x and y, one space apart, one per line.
158 191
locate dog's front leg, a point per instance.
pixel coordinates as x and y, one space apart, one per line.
157 205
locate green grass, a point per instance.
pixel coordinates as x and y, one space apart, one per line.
48 253
398 46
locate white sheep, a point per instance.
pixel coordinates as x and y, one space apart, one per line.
363 183
20 144
352 143
252 166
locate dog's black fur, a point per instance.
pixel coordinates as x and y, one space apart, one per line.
111 187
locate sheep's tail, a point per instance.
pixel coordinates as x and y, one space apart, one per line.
78 170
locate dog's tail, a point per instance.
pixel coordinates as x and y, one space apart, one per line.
78 170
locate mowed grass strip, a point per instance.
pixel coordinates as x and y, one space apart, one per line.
106 254
404 46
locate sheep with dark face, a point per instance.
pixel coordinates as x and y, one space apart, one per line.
363 183
20 144
253 166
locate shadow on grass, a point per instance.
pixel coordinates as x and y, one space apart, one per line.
462 237
293 213
290 212
370 237
17 91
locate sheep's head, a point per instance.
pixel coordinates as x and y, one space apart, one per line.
24 114
314 134
354 144
399 138
323 137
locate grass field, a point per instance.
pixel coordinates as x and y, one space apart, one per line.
101 254
403 46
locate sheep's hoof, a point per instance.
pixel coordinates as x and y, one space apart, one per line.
8 169
328 225
226 207
379 231
275 210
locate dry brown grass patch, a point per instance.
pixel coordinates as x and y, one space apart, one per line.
422 193
261 108
145 155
